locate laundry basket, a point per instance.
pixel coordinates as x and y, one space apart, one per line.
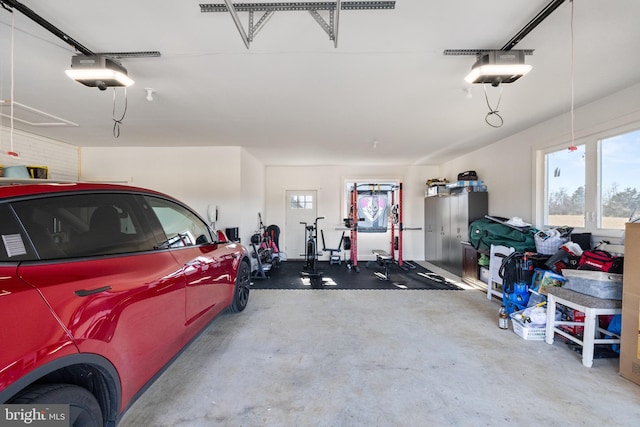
525 330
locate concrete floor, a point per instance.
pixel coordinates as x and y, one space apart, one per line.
380 358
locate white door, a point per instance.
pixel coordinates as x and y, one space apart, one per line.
301 207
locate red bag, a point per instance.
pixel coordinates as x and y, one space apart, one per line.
600 261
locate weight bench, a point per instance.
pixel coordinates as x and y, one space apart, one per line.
384 259
333 257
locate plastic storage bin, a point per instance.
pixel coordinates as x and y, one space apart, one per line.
526 331
597 284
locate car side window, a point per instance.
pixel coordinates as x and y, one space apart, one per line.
14 245
181 226
85 225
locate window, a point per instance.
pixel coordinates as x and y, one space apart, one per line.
301 201
594 187
84 225
181 226
373 201
620 179
565 187
13 243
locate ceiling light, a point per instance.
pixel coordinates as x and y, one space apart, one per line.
98 71
150 92
498 66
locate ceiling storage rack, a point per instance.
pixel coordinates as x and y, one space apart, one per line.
314 8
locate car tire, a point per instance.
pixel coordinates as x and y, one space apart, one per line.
241 289
84 409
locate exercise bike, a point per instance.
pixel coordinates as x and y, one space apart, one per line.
310 269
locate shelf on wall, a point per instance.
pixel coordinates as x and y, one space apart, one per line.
35 172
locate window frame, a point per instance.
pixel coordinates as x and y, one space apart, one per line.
592 182
305 204
181 239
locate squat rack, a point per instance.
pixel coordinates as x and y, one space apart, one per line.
396 220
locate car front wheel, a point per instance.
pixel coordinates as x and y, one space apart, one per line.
242 287
84 409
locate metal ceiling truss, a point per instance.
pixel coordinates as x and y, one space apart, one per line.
477 52
134 54
268 9
541 16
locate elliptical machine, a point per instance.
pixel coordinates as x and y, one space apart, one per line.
310 268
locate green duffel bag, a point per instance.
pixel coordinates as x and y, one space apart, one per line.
485 232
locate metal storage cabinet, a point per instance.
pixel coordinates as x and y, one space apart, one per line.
433 234
447 226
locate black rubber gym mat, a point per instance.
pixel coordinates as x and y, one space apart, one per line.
291 275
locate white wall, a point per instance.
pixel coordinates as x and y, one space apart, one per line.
252 196
61 159
329 183
236 182
201 177
507 166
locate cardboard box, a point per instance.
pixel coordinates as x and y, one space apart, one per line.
631 279
630 339
471 189
457 184
574 316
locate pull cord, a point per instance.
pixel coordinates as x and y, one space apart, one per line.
493 111
118 122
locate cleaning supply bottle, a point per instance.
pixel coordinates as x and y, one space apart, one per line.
503 318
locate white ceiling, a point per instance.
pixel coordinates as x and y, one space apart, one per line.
295 99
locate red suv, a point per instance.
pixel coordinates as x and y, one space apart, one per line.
101 286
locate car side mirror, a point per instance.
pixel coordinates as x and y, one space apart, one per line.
222 238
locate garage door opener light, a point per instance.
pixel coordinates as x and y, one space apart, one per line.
98 71
497 67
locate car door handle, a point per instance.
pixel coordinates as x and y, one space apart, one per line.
87 292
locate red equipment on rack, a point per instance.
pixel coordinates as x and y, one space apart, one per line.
395 221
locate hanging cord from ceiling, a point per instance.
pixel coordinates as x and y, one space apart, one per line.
493 111
572 147
11 151
118 122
